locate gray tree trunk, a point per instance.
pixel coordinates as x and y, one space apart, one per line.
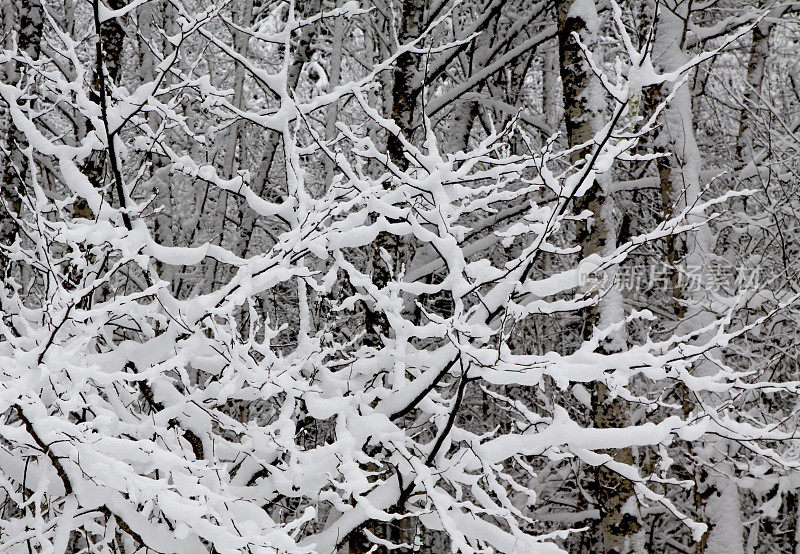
112 39
620 523
376 326
31 20
759 50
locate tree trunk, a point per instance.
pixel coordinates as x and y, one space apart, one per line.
240 44
551 89
112 39
31 20
687 256
759 51
375 322
333 82
793 509
620 524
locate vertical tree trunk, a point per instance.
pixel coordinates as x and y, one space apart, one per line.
112 35
240 45
793 512
681 187
727 530
333 82
146 26
403 104
403 98
31 21
551 89
464 115
112 39
723 509
620 524
759 51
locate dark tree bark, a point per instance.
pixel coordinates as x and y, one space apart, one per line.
112 40
404 101
619 524
759 51
31 21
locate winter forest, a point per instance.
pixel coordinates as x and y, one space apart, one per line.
400 276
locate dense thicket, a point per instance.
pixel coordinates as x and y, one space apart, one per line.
399 275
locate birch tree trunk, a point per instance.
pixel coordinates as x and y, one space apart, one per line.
333 82
403 96
240 40
688 258
759 51
403 101
551 89
620 523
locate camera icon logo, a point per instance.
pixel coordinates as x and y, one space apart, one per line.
591 277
